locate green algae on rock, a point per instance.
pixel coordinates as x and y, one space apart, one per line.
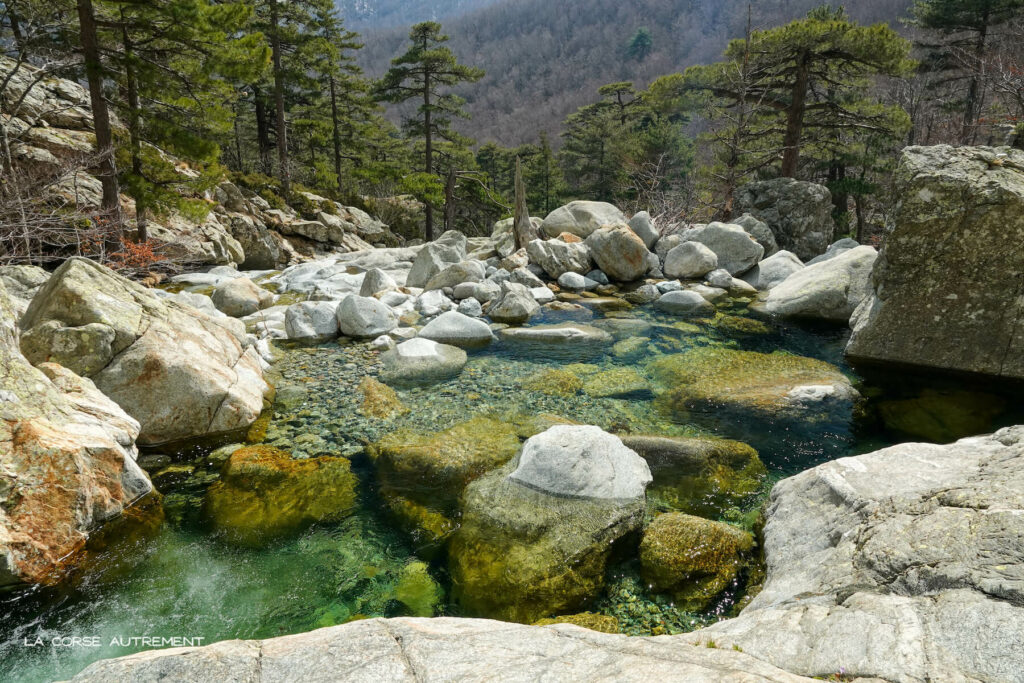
553 382
700 475
617 383
417 590
595 622
521 555
761 383
264 494
379 400
691 558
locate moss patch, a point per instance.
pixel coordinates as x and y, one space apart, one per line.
418 591
942 416
601 623
617 383
554 382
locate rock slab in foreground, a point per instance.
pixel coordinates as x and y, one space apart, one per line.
443 649
949 282
903 564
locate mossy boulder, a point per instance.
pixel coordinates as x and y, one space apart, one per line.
423 475
529 424
264 494
379 400
700 475
617 383
764 384
941 416
692 559
522 555
595 622
740 326
553 382
631 348
436 467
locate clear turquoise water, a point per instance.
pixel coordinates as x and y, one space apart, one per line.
184 582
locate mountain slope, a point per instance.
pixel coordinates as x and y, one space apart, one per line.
381 14
546 58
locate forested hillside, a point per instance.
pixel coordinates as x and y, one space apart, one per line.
377 14
545 58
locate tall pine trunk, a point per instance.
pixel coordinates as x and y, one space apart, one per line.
967 133
134 124
428 234
336 136
100 113
262 132
795 120
282 134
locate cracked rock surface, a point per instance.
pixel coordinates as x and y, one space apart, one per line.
443 649
905 564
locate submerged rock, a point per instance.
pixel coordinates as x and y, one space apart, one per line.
768 384
573 335
264 494
421 360
601 623
700 475
180 373
941 416
691 558
946 287
617 383
379 400
522 554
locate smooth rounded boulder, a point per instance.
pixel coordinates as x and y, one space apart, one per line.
689 260
239 297
618 252
514 306
684 303
457 329
581 218
737 251
581 462
421 360
365 318
557 257
311 321
828 290
773 270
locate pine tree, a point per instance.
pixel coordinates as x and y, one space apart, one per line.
425 72
640 45
966 27
824 53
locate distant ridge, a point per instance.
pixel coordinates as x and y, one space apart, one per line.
546 58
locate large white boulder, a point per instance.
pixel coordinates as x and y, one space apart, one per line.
421 360
581 218
458 329
689 260
515 305
557 257
773 270
180 373
643 225
239 297
581 462
737 251
828 290
684 303
311 321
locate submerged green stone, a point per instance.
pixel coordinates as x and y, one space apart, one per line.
264 494
691 558
595 622
554 382
617 383
700 475
418 591
521 555
758 383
